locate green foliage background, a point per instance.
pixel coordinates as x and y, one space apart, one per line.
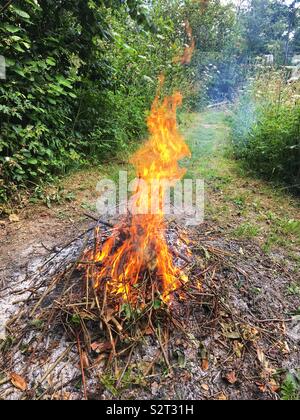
266 128
82 74
80 77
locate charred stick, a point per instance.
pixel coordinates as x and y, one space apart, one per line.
82 368
100 222
178 255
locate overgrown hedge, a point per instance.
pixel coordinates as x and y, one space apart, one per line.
80 76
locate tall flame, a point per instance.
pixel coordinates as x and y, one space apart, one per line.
140 245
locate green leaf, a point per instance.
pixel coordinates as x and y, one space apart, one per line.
76 320
62 81
26 153
21 13
32 161
18 48
129 48
56 88
157 304
15 38
9 62
290 389
20 72
26 45
128 311
11 29
52 101
50 61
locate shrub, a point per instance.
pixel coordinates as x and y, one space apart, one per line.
266 128
80 78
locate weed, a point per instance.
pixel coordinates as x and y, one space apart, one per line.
88 206
108 381
290 389
290 227
293 289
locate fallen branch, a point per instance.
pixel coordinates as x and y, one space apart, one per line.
217 105
99 221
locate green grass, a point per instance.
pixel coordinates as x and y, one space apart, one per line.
253 208
290 389
207 139
290 227
293 289
247 231
282 232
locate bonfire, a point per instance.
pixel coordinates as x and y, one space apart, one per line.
123 279
135 263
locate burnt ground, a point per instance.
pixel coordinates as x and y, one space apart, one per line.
233 338
236 337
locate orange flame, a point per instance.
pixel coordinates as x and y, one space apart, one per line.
141 246
188 53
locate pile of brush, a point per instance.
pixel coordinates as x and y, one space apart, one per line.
65 302
70 338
